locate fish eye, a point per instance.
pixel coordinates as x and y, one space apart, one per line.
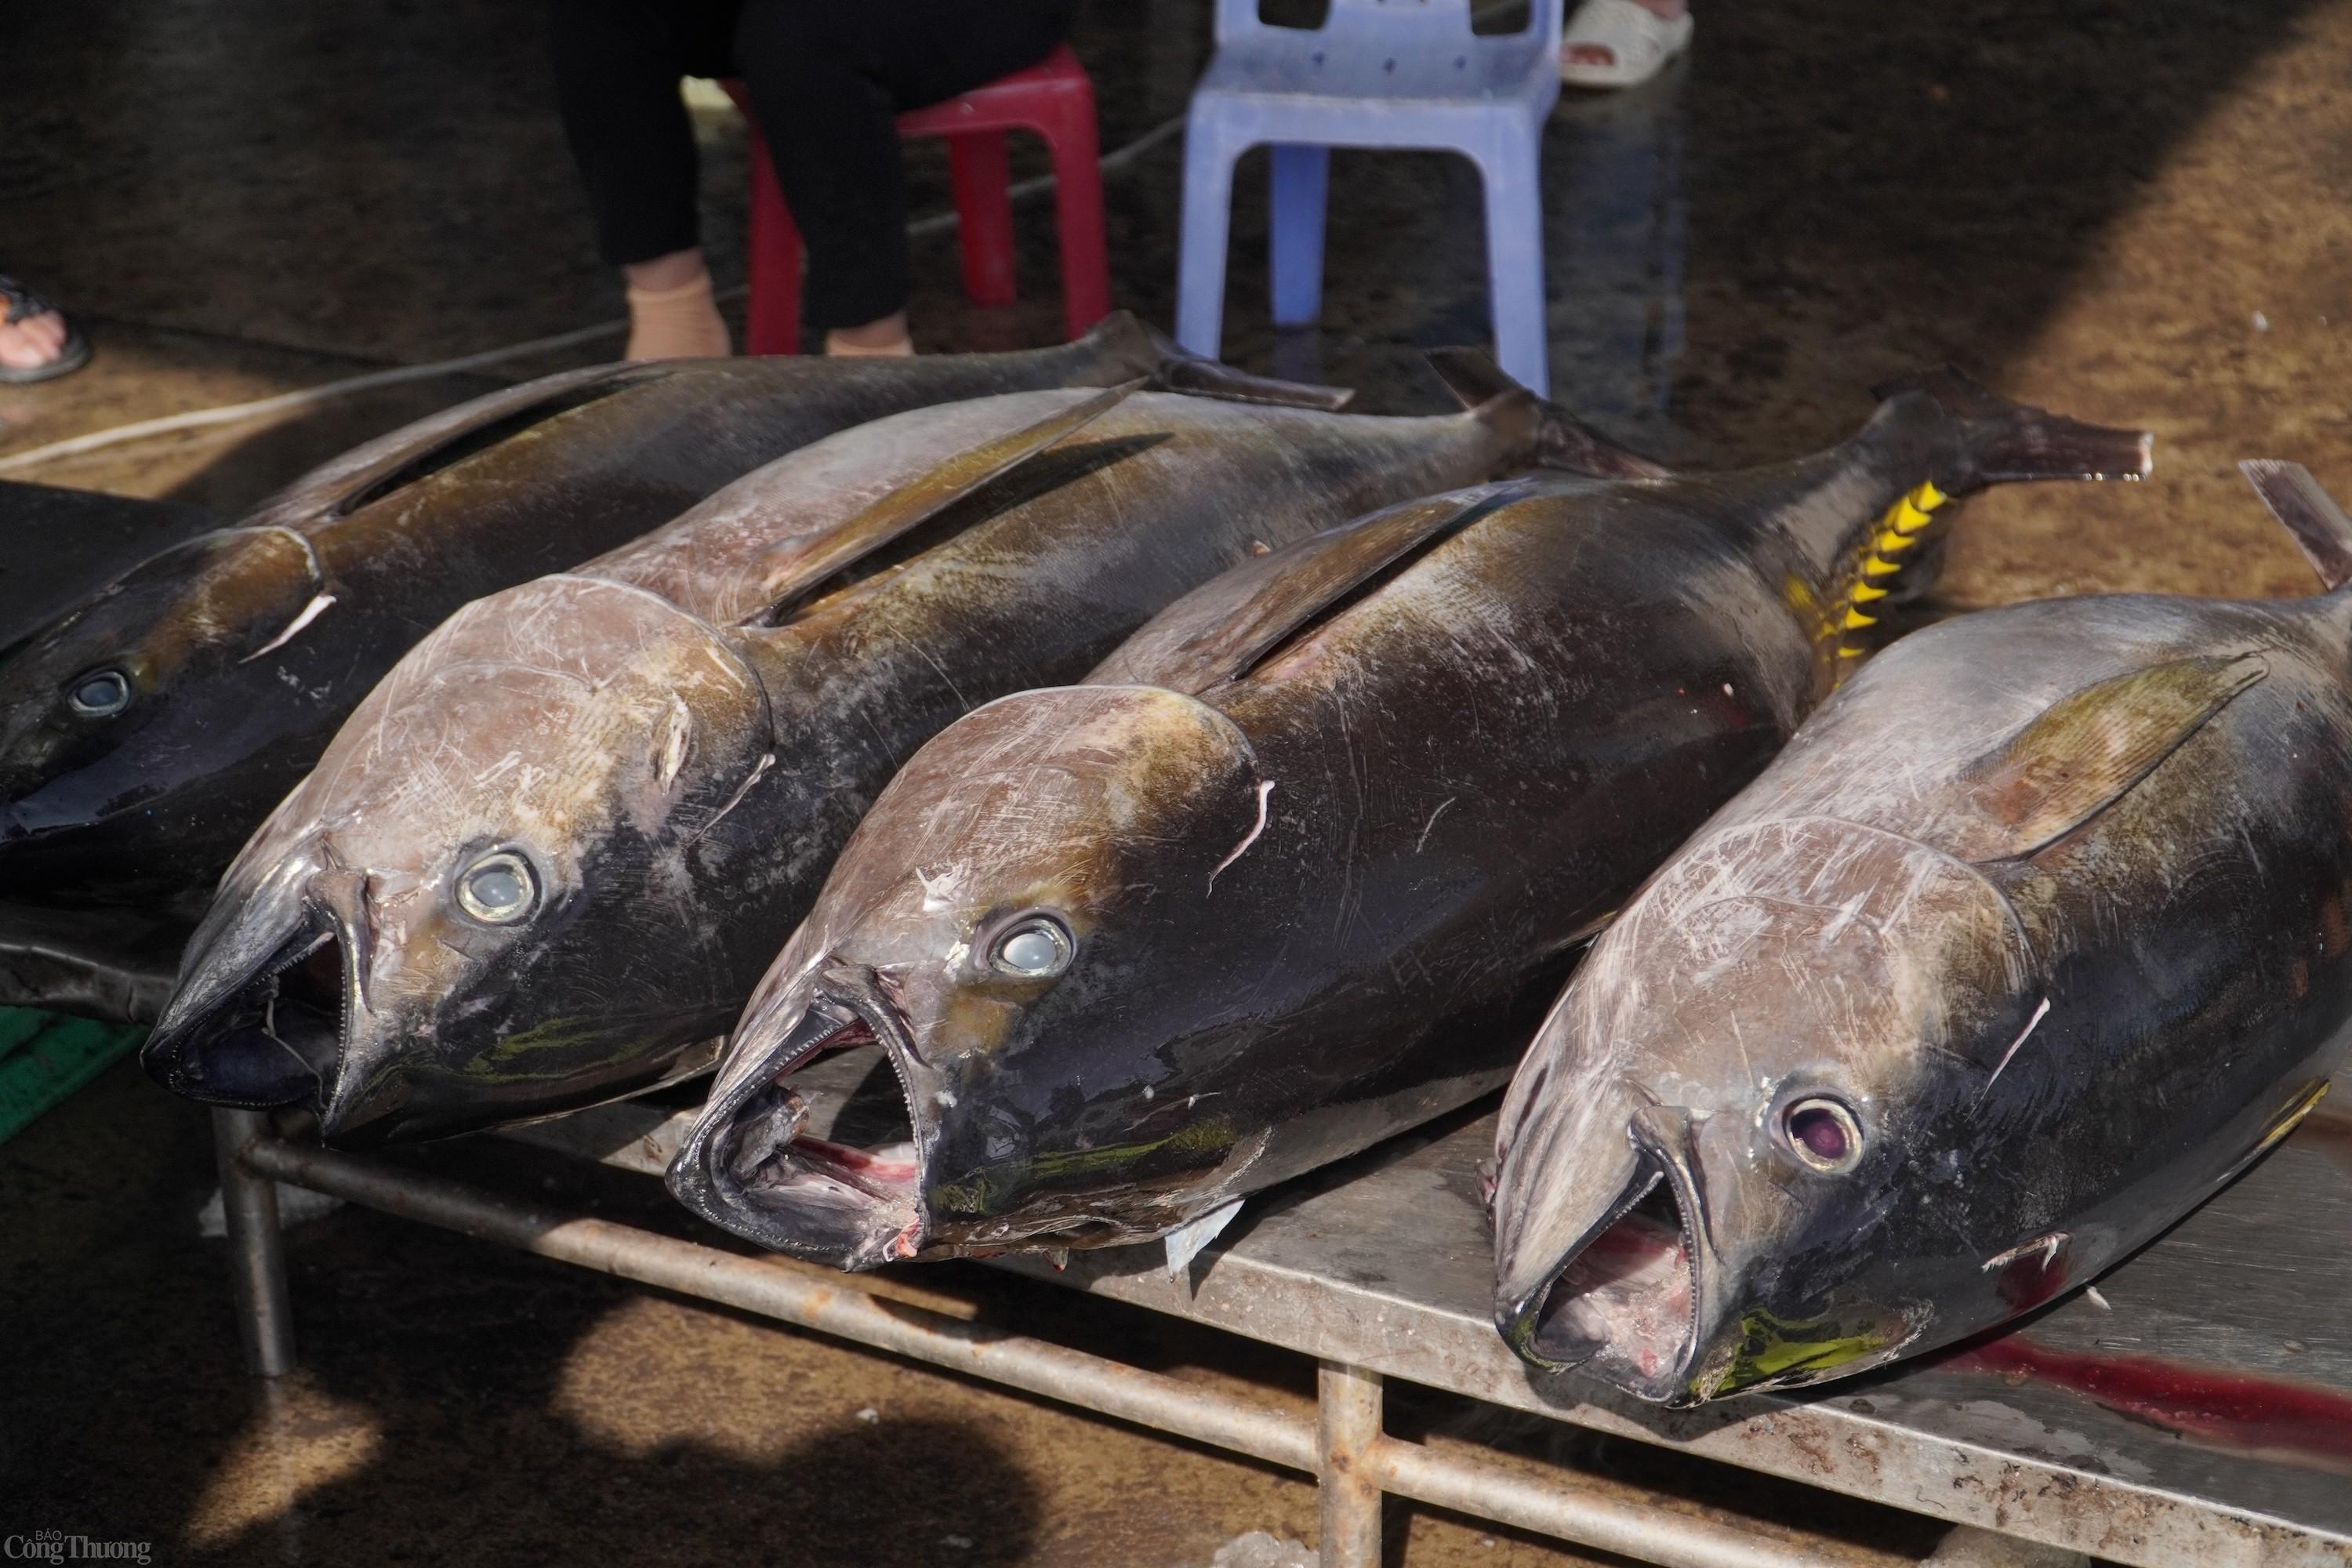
498 889
1824 1134
1035 948
101 694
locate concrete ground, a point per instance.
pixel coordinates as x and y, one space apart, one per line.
2131 210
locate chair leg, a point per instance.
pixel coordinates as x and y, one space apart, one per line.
773 263
1515 264
1071 139
983 202
1297 195
1208 219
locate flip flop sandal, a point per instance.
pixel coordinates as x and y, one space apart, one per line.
1640 42
72 355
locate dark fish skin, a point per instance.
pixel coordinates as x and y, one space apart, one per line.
678 772
145 807
1322 842
2052 899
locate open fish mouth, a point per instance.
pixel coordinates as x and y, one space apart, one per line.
835 1178
1623 1305
276 1039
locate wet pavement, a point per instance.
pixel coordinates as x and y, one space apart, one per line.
2132 212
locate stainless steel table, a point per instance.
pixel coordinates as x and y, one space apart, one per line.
2199 1410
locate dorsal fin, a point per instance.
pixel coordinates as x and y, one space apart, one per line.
791 567
375 468
2084 752
1555 439
1121 340
2309 512
1221 631
1474 379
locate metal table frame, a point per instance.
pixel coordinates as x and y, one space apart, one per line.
1346 1448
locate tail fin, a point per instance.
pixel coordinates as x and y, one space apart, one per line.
2009 441
1559 438
2309 512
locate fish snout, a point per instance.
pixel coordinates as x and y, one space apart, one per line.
795 1176
1601 1252
266 993
273 1039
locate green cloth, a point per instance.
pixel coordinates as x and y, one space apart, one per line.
45 1056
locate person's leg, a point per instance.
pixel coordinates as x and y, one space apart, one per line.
617 67
828 79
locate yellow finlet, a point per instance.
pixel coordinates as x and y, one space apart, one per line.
1892 543
1856 620
1905 517
1863 593
1851 652
1878 566
1927 497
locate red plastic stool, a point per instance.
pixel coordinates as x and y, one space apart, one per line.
1055 98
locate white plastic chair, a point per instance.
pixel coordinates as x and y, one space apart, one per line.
1378 73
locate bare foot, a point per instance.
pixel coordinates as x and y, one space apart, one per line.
672 311
885 339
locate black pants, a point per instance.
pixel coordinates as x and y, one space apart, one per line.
826 78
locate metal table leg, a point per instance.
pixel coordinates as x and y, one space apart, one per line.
1349 1406
256 1251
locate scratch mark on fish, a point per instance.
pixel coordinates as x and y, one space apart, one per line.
310 552
767 761
940 891
673 758
310 612
2048 1245
1422 842
2031 1025
942 668
1248 838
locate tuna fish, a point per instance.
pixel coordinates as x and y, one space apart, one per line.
145 731
2036 935
1300 866
555 850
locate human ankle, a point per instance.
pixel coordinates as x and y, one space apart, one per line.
884 338
681 321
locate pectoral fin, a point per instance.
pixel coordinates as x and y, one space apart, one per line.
1184 1243
2086 751
796 565
1221 631
2320 528
376 469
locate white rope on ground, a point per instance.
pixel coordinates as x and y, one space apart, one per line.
1110 162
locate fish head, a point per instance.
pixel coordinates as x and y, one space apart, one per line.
1712 1163
1000 924
117 714
469 911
